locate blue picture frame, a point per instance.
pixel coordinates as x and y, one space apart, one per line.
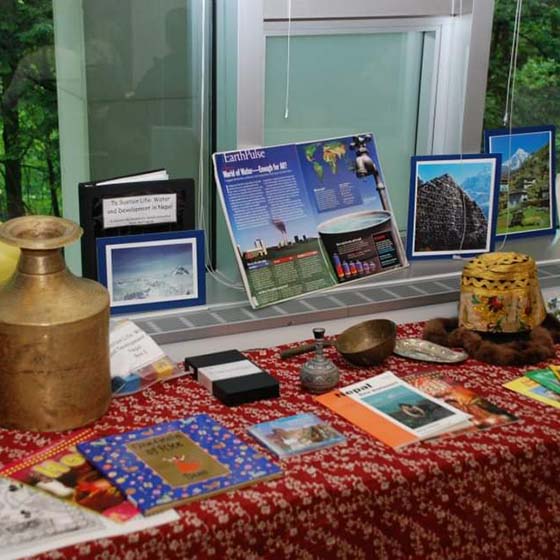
531 140
452 205
152 271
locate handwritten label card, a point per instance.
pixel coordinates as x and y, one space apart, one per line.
131 349
139 210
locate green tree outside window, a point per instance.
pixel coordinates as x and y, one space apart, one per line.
29 143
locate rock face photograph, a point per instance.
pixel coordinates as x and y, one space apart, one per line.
453 206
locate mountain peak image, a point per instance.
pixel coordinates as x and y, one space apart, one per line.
180 270
516 160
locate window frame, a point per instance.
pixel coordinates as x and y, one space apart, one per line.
463 37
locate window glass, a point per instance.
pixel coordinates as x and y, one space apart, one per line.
339 85
141 88
129 88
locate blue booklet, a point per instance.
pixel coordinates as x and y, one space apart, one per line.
172 463
297 434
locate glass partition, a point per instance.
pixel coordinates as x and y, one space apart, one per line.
339 85
131 91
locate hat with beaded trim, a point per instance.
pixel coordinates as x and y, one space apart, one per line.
500 293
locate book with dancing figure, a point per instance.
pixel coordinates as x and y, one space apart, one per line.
172 463
484 414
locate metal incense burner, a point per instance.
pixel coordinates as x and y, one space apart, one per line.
319 374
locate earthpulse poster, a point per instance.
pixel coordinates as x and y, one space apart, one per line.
308 216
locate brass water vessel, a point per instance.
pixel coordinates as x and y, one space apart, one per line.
54 333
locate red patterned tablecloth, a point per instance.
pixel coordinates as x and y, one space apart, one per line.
493 494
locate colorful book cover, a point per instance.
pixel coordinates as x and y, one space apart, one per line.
394 411
293 435
555 370
483 413
62 471
532 389
173 463
546 378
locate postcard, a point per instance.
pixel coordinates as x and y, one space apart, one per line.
293 435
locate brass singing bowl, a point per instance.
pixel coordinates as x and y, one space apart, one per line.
367 343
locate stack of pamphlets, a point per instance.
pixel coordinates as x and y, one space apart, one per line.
54 498
293 435
541 384
484 414
394 411
545 377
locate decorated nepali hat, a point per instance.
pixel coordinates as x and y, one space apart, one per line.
500 293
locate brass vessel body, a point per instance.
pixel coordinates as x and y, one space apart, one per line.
54 333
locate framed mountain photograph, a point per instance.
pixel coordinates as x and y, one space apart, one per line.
453 204
152 271
527 195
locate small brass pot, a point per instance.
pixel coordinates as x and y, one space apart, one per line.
54 333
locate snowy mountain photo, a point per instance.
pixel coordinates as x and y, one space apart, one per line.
152 272
527 180
515 161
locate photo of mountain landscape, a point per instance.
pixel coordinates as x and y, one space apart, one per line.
151 271
527 198
452 205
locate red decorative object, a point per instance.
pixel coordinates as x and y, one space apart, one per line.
491 494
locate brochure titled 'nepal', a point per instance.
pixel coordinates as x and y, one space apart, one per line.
309 216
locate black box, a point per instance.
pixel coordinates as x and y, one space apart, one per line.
235 379
246 389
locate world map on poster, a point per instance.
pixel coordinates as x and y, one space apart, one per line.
330 154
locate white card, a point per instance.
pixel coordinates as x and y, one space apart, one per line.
131 349
207 375
139 210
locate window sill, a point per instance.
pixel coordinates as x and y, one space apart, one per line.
422 283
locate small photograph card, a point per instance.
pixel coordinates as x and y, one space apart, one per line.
293 435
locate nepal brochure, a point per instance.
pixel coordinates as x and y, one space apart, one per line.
393 411
308 216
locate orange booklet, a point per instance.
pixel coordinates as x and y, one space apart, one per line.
394 411
64 473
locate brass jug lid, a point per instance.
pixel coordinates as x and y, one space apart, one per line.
40 232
